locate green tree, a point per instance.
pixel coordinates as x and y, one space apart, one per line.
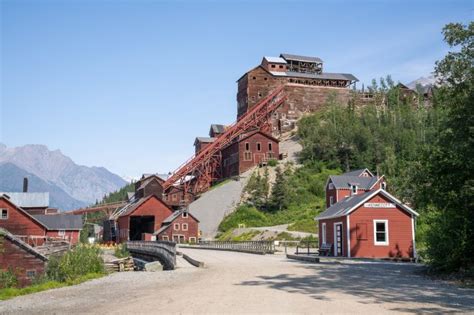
446 190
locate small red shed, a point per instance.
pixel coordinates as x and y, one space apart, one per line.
180 227
373 224
26 262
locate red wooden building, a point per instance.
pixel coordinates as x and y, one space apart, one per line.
364 220
36 229
25 261
141 216
180 227
247 151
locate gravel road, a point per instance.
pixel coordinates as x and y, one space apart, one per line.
244 283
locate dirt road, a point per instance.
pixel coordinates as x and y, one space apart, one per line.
245 283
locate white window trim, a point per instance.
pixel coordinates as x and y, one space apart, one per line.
323 233
386 233
176 226
1 214
335 239
184 215
192 239
165 238
61 232
184 227
356 190
331 200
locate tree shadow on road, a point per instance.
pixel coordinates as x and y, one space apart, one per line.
373 283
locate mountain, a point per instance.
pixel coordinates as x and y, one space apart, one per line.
12 181
82 183
423 81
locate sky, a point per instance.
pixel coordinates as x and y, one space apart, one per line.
128 85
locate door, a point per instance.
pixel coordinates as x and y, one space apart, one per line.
338 239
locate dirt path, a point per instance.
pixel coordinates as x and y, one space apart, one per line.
245 283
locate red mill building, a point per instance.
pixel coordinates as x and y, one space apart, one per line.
307 87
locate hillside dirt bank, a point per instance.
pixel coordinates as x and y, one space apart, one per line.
245 283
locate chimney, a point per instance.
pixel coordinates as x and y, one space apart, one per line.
25 184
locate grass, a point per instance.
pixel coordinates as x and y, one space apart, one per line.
225 181
9 293
304 225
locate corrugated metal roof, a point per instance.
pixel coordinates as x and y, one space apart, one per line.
323 76
300 58
28 199
345 182
60 221
274 59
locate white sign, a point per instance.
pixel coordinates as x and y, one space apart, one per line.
379 205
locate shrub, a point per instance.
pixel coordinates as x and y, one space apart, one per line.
306 225
76 263
244 214
272 162
8 279
121 251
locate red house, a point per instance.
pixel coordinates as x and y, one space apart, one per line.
180 227
366 223
36 229
25 261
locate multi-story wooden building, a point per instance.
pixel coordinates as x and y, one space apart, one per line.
363 220
250 149
180 227
307 87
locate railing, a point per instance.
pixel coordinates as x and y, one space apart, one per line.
307 248
257 247
162 251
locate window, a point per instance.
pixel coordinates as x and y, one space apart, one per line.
323 233
61 232
176 226
331 200
281 67
361 231
273 66
259 146
4 214
247 156
192 240
265 79
174 197
354 189
184 226
270 146
384 185
185 215
165 238
380 232
255 78
30 274
331 186
259 94
247 146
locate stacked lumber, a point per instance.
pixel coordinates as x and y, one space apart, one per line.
119 265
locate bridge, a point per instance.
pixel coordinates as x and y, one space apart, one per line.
162 251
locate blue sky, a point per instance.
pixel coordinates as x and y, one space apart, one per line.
129 84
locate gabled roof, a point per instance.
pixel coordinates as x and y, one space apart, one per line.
204 140
28 199
345 182
167 222
249 134
5 197
22 244
274 59
349 204
300 58
216 128
60 221
133 205
358 172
